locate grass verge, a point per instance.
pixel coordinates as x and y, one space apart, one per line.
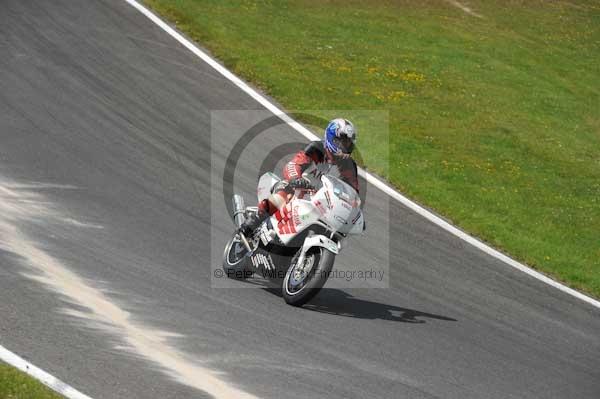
494 118
15 384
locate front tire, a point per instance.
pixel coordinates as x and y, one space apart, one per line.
235 261
299 287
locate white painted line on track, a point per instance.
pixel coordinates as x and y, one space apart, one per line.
101 312
368 177
50 381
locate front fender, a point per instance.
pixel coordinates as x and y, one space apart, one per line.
319 240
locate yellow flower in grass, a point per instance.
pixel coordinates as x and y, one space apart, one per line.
378 95
391 74
396 95
327 64
383 96
409 76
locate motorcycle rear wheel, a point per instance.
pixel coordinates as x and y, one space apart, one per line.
235 261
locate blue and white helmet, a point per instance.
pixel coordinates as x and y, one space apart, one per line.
340 136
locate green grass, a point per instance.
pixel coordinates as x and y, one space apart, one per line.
494 121
17 385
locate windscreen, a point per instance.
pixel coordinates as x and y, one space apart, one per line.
344 191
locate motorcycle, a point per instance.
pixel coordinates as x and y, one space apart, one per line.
301 239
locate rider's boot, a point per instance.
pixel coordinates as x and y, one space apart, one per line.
252 222
255 219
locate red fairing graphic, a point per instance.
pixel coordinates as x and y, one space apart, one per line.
296 216
320 207
285 222
329 203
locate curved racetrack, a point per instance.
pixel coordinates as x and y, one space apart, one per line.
107 119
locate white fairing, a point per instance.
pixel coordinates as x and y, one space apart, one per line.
265 184
336 206
342 206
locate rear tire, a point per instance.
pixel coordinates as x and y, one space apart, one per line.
235 261
297 292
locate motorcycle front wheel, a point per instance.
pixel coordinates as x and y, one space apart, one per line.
303 282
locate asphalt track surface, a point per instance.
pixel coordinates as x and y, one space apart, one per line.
95 97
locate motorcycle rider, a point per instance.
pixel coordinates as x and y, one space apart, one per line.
315 160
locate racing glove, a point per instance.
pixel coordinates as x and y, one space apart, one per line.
301 183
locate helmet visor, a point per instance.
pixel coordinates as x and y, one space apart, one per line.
345 144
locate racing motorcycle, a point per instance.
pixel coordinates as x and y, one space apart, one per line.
298 244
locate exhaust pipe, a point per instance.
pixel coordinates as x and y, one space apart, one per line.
239 209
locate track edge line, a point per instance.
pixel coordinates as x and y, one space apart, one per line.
368 177
48 380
